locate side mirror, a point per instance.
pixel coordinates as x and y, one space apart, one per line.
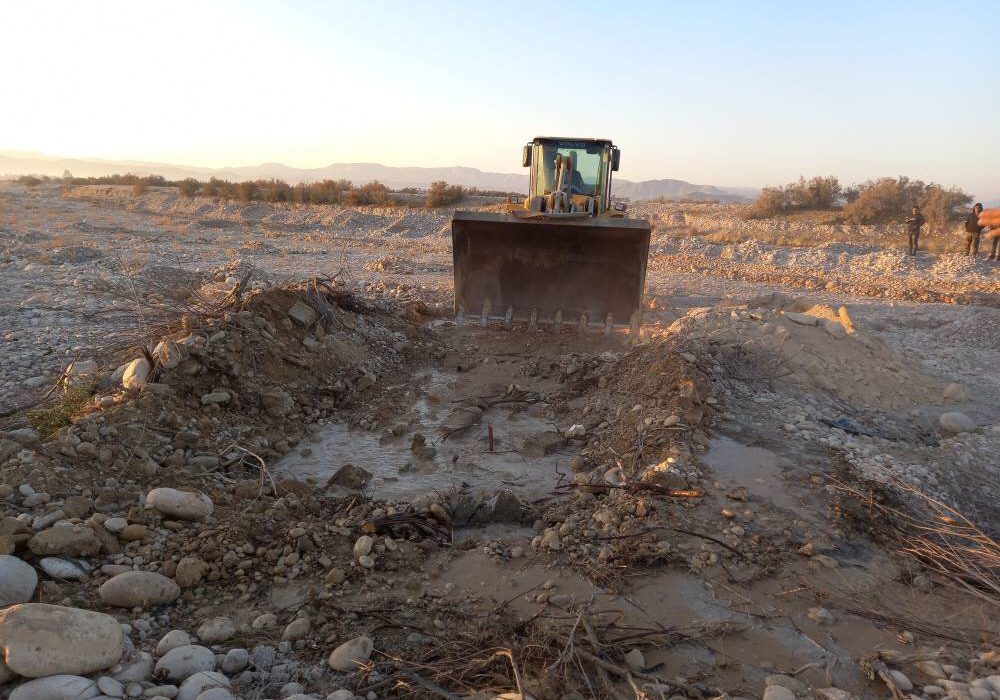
616 159
526 156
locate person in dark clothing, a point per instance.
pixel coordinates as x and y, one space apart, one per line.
973 232
913 223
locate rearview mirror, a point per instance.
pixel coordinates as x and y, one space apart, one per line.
616 159
526 156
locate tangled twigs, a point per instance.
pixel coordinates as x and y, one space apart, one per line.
424 524
636 487
940 538
264 475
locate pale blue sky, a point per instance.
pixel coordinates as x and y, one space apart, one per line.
727 93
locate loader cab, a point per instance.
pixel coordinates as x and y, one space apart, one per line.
570 175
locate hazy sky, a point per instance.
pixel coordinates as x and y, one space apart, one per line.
728 93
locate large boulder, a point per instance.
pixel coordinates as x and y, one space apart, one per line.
37 640
180 663
66 540
61 687
138 589
955 422
181 505
17 580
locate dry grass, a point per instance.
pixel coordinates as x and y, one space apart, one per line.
61 412
938 537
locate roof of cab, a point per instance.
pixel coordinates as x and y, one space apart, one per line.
570 138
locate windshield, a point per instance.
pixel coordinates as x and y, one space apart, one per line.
587 173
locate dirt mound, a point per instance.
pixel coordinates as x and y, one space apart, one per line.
812 348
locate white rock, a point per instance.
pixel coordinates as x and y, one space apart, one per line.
341 695
59 687
135 374
17 580
110 687
216 630
65 569
161 691
183 662
901 681
833 694
172 640
265 620
363 546
215 694
349 655
955 422
115 524
37 640
215 397
182 505
138 589
137 669
200 682
776 692
296 629
635 659
235 661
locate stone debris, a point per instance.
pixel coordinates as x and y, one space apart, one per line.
351 654
138 589
17 581
38 639
181 505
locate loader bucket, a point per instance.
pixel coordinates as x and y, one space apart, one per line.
525 267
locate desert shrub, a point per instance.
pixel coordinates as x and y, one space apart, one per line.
941 206
441 194
139 187
891 199
31 180
771 202
246 191
817 193
372 193
329 191
813 194
189 187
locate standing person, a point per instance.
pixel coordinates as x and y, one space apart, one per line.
913 223
994 235
974 232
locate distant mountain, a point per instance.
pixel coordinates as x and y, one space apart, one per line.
27 163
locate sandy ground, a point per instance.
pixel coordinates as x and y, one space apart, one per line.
819 594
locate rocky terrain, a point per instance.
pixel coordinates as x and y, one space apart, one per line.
246 452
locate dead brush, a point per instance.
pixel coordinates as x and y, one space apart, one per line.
547 655
937 536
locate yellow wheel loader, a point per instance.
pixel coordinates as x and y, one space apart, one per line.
565 254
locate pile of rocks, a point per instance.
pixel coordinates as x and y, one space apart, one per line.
53 652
